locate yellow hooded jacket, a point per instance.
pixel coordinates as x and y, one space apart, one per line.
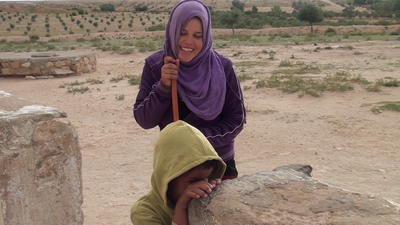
179 148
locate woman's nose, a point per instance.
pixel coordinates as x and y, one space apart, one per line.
187 39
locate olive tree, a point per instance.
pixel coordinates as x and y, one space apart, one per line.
231 18
310 13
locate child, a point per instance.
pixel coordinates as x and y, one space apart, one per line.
185 166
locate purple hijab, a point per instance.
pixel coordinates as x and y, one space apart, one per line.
202 81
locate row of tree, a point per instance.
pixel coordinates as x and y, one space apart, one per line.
303 13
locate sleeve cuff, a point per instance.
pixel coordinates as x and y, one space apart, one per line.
163 90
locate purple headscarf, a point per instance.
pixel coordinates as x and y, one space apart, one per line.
202 81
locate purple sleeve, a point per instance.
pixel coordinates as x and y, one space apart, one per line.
232 117
153 99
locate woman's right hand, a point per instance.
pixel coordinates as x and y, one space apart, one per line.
169 71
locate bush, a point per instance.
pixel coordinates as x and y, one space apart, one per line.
33 38
107 8
156 27
140 8
330 31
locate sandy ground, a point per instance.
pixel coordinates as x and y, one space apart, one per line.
337 134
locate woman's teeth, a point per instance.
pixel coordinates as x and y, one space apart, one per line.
187 49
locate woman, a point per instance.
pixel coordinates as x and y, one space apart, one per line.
210 97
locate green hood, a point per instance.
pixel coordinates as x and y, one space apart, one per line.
179 148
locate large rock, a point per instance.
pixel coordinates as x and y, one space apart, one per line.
288 195
40 163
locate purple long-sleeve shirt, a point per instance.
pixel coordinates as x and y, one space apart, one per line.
153 107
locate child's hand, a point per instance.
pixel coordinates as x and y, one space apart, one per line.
215 182
195 190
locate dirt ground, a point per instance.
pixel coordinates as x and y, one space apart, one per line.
337 134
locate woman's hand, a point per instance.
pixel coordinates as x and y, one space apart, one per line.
169 71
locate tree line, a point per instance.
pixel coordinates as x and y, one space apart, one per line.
305 13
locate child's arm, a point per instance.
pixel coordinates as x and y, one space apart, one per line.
195 190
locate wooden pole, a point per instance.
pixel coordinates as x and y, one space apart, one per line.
175 109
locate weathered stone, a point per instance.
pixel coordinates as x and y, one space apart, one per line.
26 65
92 59
36 71
63 72
15 64
65 68
68 62
44 72
41 77
40 162
6 71
288 195
78 67
22 71
30 78
59 64
49 65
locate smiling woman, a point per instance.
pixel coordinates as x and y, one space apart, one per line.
209 93
210 97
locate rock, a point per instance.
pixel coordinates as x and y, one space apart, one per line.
30 78
289 195
41 164
63 72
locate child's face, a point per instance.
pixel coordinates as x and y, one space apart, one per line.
178 185
191 40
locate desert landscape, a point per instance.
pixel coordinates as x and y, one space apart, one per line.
349 133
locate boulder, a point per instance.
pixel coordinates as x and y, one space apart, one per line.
40 165
289 195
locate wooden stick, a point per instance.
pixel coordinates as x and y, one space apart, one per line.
175 109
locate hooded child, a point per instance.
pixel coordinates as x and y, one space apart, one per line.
181 164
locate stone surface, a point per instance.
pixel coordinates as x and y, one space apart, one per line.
36 64
40 164
289 195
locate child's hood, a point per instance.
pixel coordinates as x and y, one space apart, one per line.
179 148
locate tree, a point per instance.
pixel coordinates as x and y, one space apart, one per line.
297 5
348 12
237 4
310 13
276 11
231 18
254 9
107 7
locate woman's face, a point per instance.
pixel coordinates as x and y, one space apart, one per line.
191 40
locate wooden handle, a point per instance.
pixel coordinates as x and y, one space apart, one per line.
175 109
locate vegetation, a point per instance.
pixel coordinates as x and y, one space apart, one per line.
107 7
148 17
310 13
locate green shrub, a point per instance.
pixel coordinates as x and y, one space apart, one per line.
330 31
